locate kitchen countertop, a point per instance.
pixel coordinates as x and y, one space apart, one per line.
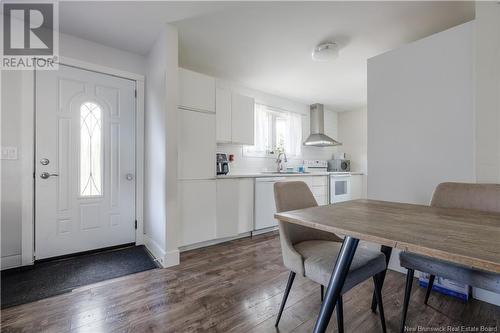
262 175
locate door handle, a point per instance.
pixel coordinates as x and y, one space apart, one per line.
45 175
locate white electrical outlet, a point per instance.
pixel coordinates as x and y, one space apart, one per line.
9 153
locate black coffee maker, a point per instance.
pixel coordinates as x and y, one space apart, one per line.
222 164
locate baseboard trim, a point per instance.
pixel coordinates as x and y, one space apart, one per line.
212 242
263 231
10 262
163 258
172 258
486 296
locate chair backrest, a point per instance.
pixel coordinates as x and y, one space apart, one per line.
297 195
483 197
293 195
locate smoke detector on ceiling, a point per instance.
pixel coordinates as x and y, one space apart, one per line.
325 51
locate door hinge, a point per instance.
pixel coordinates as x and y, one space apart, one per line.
135 224
135 93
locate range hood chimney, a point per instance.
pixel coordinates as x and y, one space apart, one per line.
318 137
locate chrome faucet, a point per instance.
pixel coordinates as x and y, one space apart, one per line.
280 161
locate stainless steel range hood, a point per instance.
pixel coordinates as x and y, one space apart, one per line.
318 138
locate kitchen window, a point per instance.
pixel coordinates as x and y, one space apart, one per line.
276 129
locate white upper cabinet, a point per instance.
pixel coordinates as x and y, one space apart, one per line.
235 117
242 119
196 144
223 115
196 91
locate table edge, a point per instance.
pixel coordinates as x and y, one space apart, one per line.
463 260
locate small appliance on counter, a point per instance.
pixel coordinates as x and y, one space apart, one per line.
315 166
339 165
222 164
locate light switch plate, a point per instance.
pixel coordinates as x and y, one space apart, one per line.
9 153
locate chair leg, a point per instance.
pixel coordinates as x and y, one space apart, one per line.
340 315
429 288
285 296
322 292
409 282
386 250
378 295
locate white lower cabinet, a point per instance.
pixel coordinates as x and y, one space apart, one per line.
246 205
357 187
234 207
216 209
227 208
197 210
318 186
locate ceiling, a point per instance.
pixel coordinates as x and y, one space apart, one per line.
267 45
127 25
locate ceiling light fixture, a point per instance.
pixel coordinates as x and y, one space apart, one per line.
325 51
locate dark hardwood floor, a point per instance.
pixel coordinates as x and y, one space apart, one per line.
231 287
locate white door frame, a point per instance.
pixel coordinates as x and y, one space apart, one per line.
28 149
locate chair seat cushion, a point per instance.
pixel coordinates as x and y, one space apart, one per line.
448 270
320 256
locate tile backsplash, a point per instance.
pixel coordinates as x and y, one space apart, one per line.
250 164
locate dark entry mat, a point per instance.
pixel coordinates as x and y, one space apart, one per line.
46 279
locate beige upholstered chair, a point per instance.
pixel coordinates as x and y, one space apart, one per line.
482 197
312 253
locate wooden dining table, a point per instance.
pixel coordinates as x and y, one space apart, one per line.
467 237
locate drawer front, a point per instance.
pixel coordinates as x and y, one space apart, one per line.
306 180
321 200
319 190
319 180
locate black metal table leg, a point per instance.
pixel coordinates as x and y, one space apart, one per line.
336 283
387 250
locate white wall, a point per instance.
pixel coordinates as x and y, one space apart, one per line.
353 135
421 116
17 112
487 70
11 199
434 114
99 54
248 164
487 67
160 202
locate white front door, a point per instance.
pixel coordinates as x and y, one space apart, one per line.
84 161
